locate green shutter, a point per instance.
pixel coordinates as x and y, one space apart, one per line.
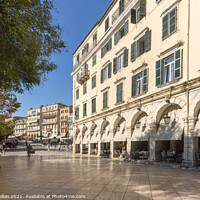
102 52
119 92
133 16
145 80
87 47
94 81
105 99
109 70
147 40
116 38
94 61
84 109
114 65
102 76
133 51
172 18
126 27
177 70
133 86
158 72
110 44
122 6
165 26
93 105
125 57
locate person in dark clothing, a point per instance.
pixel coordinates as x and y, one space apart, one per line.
29 149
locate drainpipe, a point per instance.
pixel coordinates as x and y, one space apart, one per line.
187 89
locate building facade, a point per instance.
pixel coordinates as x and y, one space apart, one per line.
20 127
66 118
34 125
136 80
51 120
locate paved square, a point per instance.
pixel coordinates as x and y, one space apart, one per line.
63 173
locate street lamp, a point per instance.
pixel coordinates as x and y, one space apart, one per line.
118 127
138 123
167 119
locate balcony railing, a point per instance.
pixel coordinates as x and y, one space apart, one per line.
48 116
83 76
54 122
116 13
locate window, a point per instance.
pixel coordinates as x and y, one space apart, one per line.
84 109
94 105
119 93
169 68
107 24
62 124
94 61
94 81
77 113
121 33
106 48
106 72
77 76
140 83
62 117
77 58
141 46
66 111
138 13
169 23
66 117
84 88
120 61
85 50
94 39
105 100
121 6
77 93
62 111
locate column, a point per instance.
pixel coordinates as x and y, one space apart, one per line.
152 142
89 148
111 144
81 148
128 135
99 147
189 147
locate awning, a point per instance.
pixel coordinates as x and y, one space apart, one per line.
139 135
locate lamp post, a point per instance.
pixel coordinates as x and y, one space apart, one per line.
167 119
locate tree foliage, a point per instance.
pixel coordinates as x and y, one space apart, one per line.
8 105
28 37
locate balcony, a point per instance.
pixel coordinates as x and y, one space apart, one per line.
83 76
49 116
116 13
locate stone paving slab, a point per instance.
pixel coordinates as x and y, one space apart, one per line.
63 173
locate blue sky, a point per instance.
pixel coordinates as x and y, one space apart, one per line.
77 17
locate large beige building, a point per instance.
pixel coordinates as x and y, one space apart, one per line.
20 127
136 80
51 120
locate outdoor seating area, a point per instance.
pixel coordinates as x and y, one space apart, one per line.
171 156
140 155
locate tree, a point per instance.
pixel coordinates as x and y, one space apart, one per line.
28 38
8 105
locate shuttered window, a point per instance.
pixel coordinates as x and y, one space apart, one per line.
107 24
106 48
77 113
77 93
140 83
169 68
94 61
84 109
169 23
105 100
121 33
133 51
121 6
114 65
119 93
106 72
94 81
133 16
84 88
94 105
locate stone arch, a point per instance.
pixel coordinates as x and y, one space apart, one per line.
92 128
117 122
196 113
173 101
138 115
84 129
105 123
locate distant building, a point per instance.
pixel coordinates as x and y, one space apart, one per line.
66 118
20 128
34 123
51 120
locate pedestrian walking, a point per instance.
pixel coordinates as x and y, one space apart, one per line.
29 149
58 147
48 147
4 147
26 142
67 147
